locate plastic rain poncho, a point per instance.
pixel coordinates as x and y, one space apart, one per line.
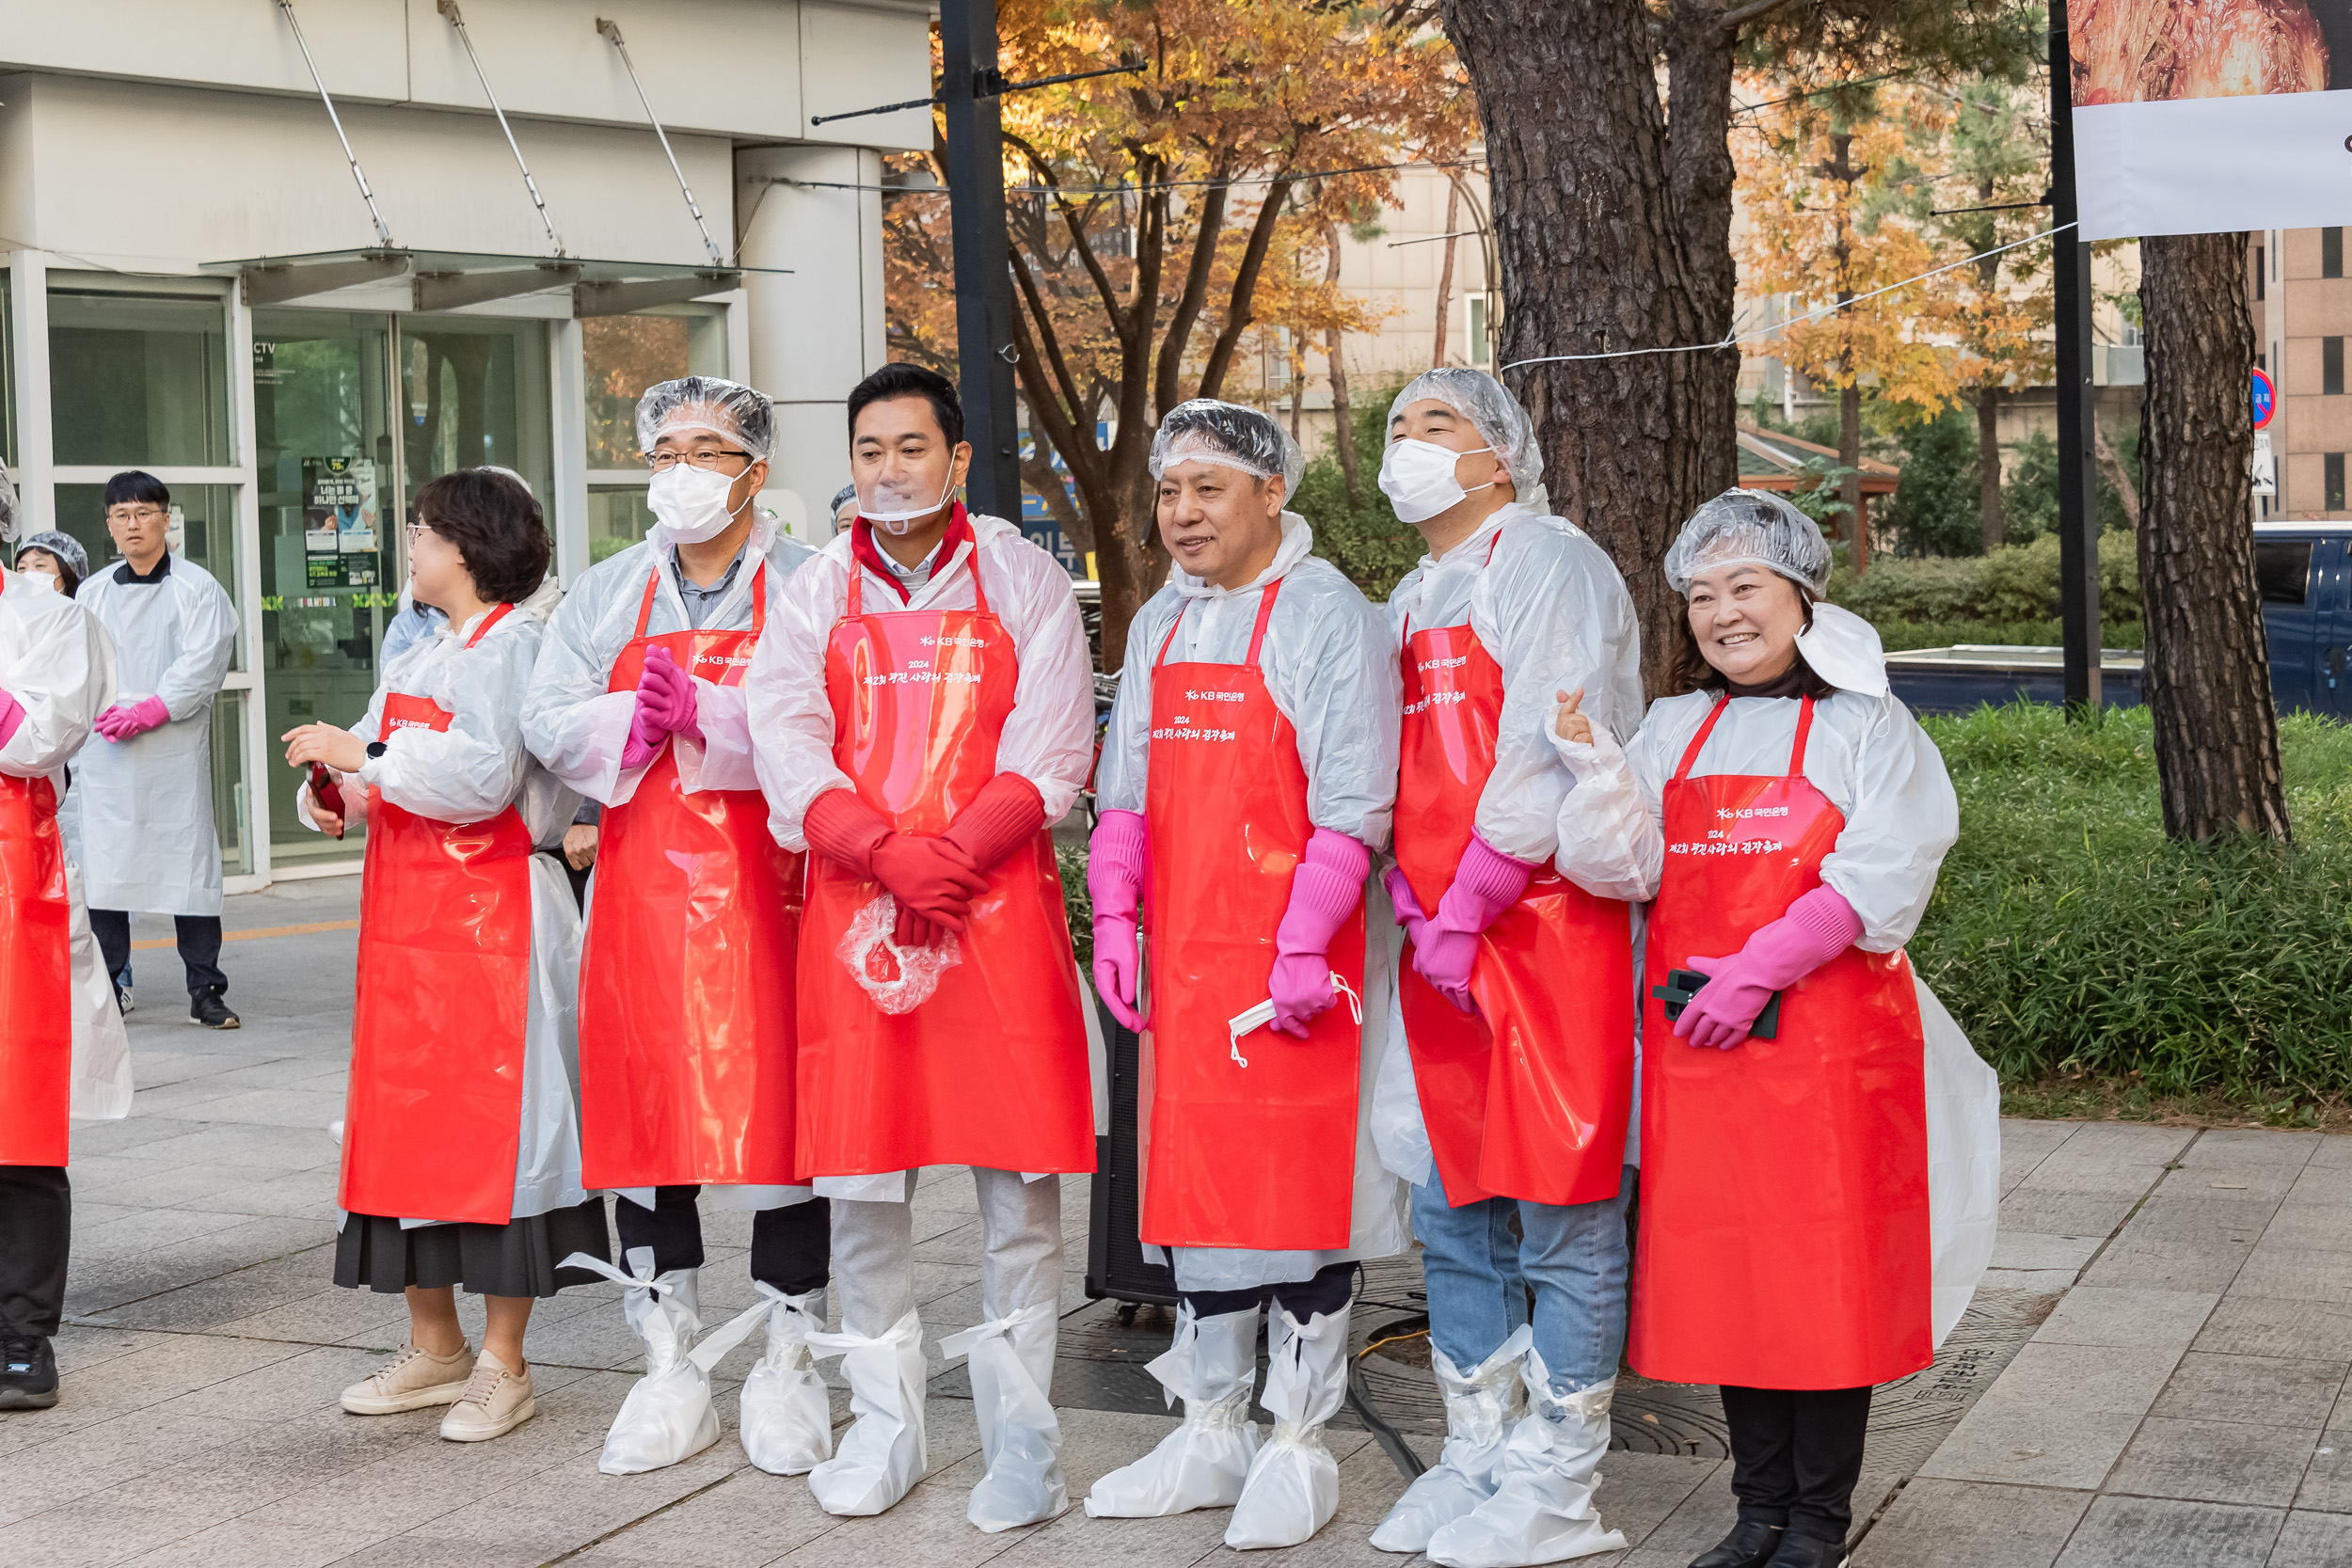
1874 762
142 809
1331 665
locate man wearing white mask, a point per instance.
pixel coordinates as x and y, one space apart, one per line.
1515 993
143 795
686 1008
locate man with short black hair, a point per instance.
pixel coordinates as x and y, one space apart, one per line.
144 797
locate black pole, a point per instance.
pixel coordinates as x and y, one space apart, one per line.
975 203
2078 472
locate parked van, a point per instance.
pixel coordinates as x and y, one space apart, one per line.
2300 568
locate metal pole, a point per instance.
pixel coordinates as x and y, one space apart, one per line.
613 31
449 9
976 199
383 230
2077 472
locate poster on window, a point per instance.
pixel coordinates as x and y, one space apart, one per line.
2196 116
339 506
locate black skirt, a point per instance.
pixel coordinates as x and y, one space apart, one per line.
516 1259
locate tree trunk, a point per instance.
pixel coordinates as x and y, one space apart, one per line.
2111 464
2208 680
1592 263
1343 416
1698 140
1445 271
1849 459
1989 465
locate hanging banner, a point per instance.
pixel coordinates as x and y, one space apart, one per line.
2196 117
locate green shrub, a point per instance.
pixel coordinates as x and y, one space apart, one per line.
2069 935
1903 635
1077 904
1937 509
2014 583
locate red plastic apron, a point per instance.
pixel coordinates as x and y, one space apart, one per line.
686 990
1784 1236
991 1069
36 977
1528 1098
1248 1144
434 1111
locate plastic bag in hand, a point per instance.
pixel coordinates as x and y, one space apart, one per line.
1020 1437
785 1415
900 979
667 1416
1294 1484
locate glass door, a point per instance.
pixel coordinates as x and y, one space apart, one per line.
328 480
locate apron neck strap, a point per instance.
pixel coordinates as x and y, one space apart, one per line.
865 555
1257 633
487 622
1804 731
1698 741
644 606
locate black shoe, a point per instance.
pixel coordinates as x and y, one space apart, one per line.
1750 1544
207 1008
28 1372
1809 1551
123 999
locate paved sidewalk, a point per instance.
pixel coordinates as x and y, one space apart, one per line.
2178 1307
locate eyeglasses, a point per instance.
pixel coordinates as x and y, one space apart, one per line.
137 514
662 462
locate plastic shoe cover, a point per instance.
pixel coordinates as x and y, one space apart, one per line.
667 1416
884 1453
1479 1410
1294 1484
1211 1366
1542 1510
1012 1371
786 1417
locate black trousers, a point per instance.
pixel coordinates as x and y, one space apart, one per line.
1796 1454
200 945
791 1247
36 1233
1326 1292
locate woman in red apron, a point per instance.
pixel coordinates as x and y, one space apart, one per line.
1791 816
56 675
1248 775
461 1150
1515 990
686 1009
923 711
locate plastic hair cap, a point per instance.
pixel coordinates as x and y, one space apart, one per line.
727 409
1207 431
1496 414
1750 527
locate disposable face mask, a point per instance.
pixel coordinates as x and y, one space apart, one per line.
1418 479
47 579
894 509
691 502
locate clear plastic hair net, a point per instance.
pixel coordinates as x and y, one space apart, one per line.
727 409
1750 525
1482 400
846 494
1227 434
63 546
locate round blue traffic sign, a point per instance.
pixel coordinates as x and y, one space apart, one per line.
2266 400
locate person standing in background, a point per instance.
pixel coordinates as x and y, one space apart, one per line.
59 557
144 800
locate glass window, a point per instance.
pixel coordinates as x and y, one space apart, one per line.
2331 253
138 379
8 373
617 518
474 391
2332 365
1478 345
203 530
624 354
2283 569
2334 472
229 792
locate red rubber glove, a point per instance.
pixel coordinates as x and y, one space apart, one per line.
1004 815
11 717
928 875
1818 927
1325 891
1118 863
1485 882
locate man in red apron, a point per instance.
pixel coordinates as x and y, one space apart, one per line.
685 1007
922 712
1246 783
1516 988
56 675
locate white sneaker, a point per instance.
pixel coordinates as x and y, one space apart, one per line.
413 1380
497 1402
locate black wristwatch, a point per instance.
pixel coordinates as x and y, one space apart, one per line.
375 748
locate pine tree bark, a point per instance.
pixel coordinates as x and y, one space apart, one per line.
2208 678
1989 465
1592 258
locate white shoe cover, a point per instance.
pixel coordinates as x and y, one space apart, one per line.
1211 1366
1012 1376
1479 1410
784 1418
667 1416
1294 1484
1542 1510
885 1451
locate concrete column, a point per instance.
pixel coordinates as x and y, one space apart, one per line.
817 330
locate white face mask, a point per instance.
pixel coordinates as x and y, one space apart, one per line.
691 502
1418 479
893 505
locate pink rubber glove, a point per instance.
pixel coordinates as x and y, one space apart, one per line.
11 717
1818 927
1486 883
1325 891
1416 923
1119 863
120 724
668 692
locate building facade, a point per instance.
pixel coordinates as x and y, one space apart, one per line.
196 286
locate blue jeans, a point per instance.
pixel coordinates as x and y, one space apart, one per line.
1478 1274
